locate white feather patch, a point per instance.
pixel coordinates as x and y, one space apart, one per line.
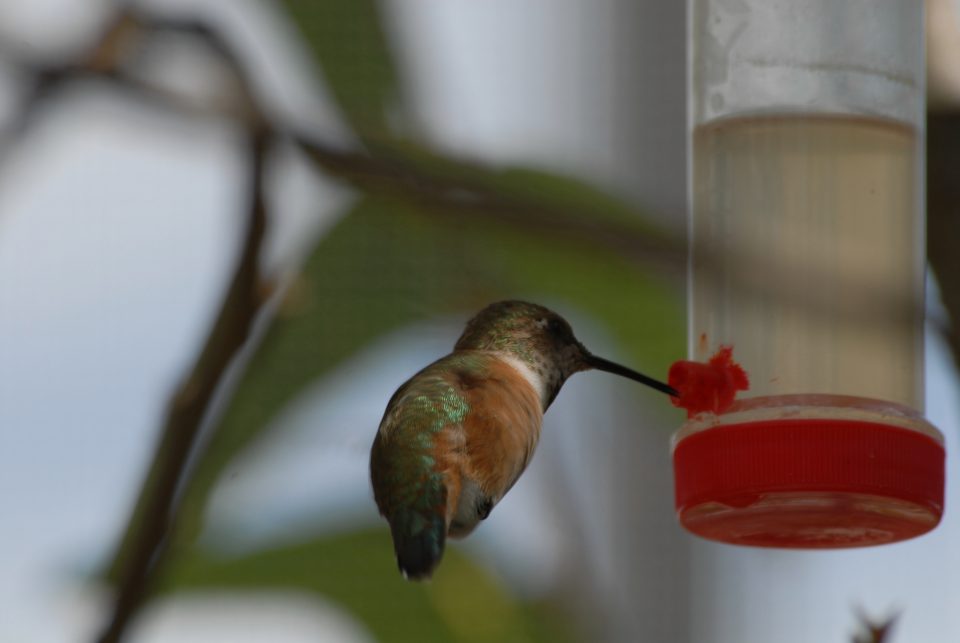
528 373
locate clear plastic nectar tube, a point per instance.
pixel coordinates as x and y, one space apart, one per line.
806 224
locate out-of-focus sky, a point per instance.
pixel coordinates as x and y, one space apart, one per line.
116 232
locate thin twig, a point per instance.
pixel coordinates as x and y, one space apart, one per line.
875 631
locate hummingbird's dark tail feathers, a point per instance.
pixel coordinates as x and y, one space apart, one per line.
418 544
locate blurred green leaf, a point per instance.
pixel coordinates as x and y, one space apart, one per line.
388 264
357 571
349 42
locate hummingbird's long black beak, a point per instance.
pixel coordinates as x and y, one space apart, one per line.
610 367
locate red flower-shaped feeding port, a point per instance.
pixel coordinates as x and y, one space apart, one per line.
709 387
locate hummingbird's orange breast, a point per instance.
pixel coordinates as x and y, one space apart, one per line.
496 441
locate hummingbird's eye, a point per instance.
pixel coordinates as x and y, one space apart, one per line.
556 326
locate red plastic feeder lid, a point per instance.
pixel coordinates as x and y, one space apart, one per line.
809 483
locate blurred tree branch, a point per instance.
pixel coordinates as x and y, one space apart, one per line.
153 516
143 547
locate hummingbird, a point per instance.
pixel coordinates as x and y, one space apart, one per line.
456 436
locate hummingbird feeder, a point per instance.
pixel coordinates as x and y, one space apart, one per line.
807 258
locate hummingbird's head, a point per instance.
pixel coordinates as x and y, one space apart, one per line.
541 343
